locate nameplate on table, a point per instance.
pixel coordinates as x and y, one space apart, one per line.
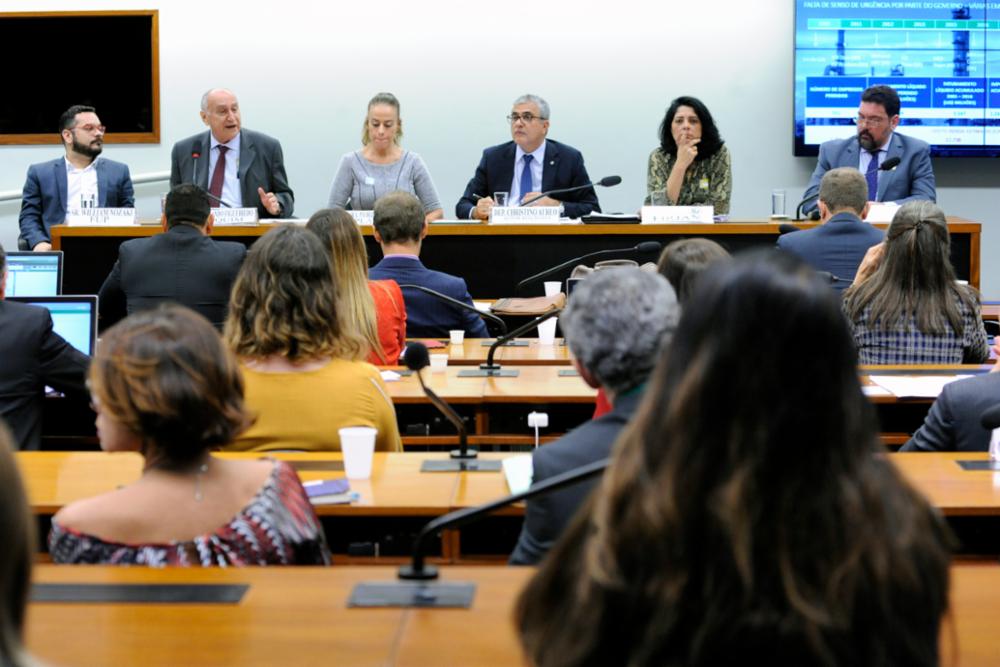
882 211
663 215
531 215
234 216
100 217
363 217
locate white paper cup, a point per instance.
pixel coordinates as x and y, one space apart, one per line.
358 445
552 287
439 363
547 331
457 336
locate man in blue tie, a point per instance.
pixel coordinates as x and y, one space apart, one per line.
875 142
527 166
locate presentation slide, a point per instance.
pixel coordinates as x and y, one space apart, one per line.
943 58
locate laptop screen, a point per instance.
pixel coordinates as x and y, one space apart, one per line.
34 273
73 317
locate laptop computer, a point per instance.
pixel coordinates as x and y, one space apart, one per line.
34 273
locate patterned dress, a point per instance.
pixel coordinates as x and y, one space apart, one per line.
278 527
706 182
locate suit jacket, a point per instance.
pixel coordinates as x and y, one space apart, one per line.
563 168
546 517
34 356
952 424
182 266
427 316
262 164
43 199
912 179
837 246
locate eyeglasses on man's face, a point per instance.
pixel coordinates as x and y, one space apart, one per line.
523 117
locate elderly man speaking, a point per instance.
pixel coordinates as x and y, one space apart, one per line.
615 326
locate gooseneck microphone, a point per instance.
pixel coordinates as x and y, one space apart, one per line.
194 167
459 304
490 369
418 359
644 247
606 182
416 586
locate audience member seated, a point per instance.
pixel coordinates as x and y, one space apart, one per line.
953 422
615 324
716 537
303 366
164 385
400 230
839 244
905 306
15 558
32 356
691 166
375 307
183 265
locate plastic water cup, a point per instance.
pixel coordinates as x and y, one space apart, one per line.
457 336
552 287
778 203
358 446
439 363
547 331
500 198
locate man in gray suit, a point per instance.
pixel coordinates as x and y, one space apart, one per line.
875 142
240 167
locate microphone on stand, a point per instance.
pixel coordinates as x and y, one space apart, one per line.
490 369
464 457
644 247
606 182
416 587
194 167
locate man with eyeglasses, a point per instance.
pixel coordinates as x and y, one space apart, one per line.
528 166
80 179
875 142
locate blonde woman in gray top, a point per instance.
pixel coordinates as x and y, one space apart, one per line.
382 166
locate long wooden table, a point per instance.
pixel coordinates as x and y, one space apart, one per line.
299 616
511 252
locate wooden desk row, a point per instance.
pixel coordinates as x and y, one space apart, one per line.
299 616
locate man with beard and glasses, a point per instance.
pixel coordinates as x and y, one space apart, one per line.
875 142
80 179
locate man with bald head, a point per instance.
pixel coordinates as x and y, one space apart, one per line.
240 167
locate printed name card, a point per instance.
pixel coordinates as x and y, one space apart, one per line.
100 217
660 215
882 211
363 217
234 216
524 214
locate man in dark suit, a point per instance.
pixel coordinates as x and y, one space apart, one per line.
182 265
241 167
840 243
528 166
400 229
32 356
875 142
953 422
615 326
78 180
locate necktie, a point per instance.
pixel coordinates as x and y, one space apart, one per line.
219 175
871 176
526 176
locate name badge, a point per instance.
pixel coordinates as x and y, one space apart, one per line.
100 217
660 215
234 216
524 214
363 217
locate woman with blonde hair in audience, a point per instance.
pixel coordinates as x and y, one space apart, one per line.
905 306
746 517
303 366
374 307
164 386
18 532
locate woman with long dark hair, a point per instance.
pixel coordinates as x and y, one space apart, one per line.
746 517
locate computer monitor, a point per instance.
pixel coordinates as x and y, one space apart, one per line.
74 317
34 273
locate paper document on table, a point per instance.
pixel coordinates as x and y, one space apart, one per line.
483 306
390 376
915 386
875 390
518 471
